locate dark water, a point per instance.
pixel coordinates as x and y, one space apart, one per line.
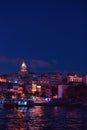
43 118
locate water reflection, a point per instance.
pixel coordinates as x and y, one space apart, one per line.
24 119
74 119
43 118
23 109
17 120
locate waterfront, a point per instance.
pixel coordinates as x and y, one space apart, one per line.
43 118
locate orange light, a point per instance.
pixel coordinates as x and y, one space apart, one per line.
3 80
33 90
55 97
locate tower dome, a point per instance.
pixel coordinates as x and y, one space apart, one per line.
23 70
23 67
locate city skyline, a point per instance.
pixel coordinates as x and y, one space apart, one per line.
48 35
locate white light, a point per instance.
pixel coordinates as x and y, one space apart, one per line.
25 102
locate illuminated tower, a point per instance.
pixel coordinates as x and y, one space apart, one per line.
23 67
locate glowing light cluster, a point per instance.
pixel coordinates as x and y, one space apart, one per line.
75 78
3 80
23 67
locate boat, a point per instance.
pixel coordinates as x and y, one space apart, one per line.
25 103
18 103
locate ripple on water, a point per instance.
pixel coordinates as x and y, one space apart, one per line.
43 118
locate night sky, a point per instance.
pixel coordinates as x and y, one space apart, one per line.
50 35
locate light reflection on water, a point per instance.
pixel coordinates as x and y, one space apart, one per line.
74 119
43 118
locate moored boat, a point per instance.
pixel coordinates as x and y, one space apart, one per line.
18 103
25 103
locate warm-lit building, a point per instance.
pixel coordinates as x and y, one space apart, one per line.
3 80
34 86
74 78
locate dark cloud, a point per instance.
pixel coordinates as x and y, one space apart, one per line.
33 63
39 63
